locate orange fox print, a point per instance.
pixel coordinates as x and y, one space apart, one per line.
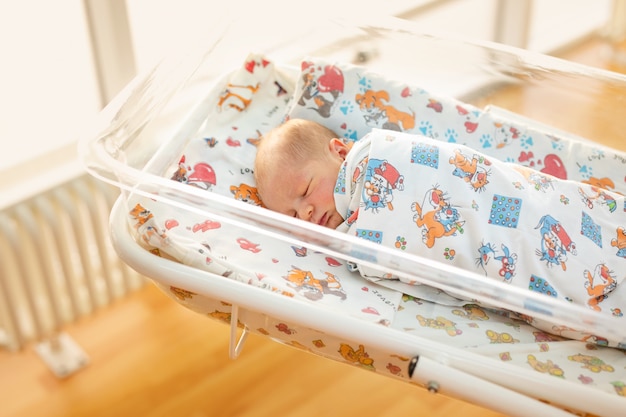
471 170
443 220
314 288
379 113
599 284
356 356
246 193
237 97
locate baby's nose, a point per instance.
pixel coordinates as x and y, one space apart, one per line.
305 212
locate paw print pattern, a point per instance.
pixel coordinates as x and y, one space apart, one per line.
486 141
426 128
527 142
346 107
351 135
451 135
557 145
585 171
365 84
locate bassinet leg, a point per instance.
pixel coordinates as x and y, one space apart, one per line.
236 343
438 377
62 355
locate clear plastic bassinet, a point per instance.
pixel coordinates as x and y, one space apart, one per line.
143 132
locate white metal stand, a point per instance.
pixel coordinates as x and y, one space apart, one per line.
236 343
439 378
62 355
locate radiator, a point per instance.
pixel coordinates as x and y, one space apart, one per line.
57 264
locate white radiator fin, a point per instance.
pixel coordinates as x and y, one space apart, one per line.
56 262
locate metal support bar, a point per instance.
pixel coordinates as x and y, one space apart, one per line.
236 344
439 378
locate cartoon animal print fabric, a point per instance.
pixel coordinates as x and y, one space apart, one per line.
218 159
451 203
352 100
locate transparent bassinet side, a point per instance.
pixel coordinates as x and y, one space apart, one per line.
163 103
159 111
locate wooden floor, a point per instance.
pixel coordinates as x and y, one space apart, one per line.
151 357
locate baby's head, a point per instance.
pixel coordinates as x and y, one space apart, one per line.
296 169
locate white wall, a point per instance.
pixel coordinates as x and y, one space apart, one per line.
48 89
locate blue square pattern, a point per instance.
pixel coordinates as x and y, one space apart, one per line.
375 236
590 229
541 285
340 185
505 211
424 154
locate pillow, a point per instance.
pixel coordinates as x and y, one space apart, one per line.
351 101
246 104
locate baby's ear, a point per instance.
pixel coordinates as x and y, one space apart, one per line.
337 146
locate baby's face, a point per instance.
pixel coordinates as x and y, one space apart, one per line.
305 190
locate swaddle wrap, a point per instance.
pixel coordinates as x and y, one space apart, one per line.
450 203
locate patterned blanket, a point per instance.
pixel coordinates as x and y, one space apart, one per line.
450 203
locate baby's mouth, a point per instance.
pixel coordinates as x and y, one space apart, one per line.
323 220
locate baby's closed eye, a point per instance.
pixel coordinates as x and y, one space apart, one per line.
307 190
